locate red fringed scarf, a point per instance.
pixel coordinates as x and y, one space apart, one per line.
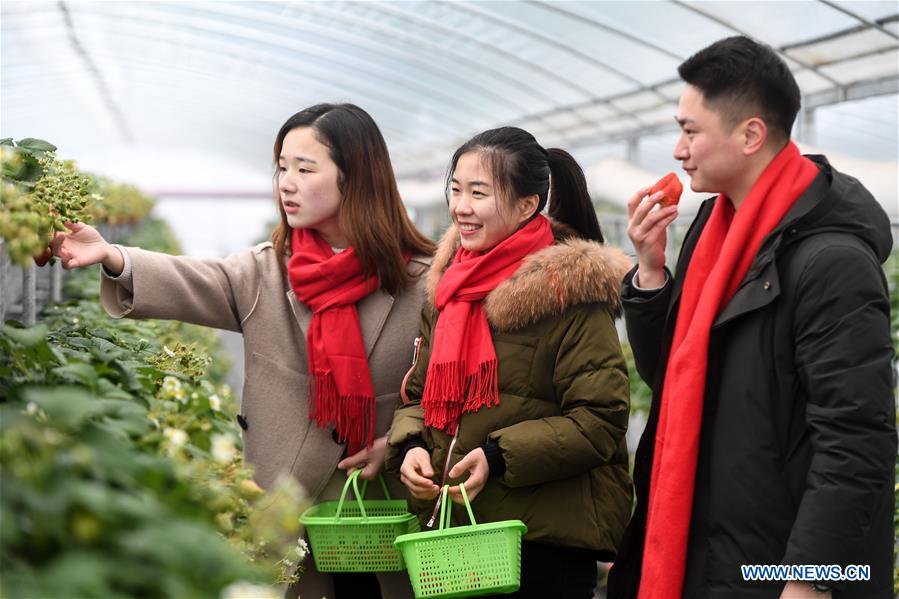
331 284
462 371
725 250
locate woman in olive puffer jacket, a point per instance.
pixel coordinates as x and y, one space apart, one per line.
519 387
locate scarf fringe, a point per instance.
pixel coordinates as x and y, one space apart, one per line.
448 393
352 415
482 387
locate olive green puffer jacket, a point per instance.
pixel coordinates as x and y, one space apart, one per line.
564 399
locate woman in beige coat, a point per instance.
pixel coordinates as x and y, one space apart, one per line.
346 246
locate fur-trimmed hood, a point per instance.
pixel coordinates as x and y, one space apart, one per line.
571 272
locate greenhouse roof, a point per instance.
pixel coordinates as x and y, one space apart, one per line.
221 77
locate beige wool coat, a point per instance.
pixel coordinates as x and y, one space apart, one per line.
247 293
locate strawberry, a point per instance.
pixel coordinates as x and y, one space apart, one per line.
672 187
43 257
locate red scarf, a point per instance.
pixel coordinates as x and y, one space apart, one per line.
462 371
331 284
725 250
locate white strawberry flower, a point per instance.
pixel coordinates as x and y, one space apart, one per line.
223 449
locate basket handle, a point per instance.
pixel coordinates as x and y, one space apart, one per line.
446 514
380 480
353 478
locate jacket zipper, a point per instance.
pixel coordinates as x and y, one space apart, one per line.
415 351
449 453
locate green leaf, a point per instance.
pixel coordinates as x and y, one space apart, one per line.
6 141
103 334
109 390
79 342
129 417
29 337
105 351
32 171
78 373
65 405
58 354
76 574
130 376
11 416
37 145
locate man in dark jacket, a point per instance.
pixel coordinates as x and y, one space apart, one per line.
772 434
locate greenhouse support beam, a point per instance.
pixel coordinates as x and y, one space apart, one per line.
854 91
56 282
4 286
29 295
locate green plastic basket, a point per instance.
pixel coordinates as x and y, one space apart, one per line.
465 561
358 537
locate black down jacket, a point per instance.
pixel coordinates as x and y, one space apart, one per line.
798 440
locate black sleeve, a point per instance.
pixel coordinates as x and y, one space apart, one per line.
644 317
843 355
495 460
410 444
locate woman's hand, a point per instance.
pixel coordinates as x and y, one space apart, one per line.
369 459
475 463
416 473
82 246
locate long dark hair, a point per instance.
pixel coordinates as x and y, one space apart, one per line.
371 213
521 167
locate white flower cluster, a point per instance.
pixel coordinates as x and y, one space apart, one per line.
246 590
175 438
302 548
223 449
172 389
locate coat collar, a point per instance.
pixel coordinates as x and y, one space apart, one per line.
571 272
373 311
761 285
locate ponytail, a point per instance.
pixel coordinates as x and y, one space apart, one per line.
569 201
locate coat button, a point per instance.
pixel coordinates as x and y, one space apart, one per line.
242 421
766 286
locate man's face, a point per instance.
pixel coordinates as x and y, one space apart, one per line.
709 150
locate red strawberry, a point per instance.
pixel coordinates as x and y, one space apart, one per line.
672 187
43 257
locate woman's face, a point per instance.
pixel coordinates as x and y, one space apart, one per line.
476 206
307 185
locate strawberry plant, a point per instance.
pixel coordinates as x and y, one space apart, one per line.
119 203
38 193
120 460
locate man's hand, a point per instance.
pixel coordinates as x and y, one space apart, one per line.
475 463
369 459
796 589
416 473
647 229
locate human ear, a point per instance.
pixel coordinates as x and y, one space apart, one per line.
755 134
527 206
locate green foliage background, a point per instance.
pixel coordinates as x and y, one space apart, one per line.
120 459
